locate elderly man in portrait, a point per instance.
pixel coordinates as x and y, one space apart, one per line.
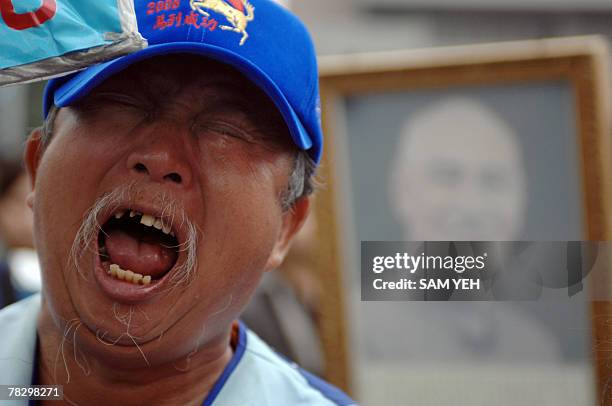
458 174
165 183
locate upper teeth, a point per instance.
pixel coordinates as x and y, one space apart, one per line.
149 221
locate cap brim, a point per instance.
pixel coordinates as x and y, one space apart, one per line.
79 85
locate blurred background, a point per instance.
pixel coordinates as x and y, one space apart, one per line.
434 146
352 26
406 353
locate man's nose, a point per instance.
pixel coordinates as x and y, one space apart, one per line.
161 161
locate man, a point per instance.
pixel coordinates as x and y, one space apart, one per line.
467 165
165 183
458 174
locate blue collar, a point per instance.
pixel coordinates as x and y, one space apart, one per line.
229 369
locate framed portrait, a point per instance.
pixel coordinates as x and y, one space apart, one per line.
493 142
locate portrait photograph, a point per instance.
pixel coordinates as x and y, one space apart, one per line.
502 149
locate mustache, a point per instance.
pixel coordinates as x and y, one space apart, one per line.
171 210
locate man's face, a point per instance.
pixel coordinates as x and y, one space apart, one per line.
460 177
189 142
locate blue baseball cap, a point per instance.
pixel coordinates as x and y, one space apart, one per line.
259 38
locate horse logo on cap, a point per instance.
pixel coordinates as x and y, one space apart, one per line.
238 13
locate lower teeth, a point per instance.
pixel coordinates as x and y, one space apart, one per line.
128 276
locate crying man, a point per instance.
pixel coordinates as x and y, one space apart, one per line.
165 183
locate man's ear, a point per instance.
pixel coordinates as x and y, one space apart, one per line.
293 220
31 157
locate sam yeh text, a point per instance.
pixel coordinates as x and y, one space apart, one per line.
428 284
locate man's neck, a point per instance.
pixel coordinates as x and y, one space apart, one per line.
186 381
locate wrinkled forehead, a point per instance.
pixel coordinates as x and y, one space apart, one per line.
162 79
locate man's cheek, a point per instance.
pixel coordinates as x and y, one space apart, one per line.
61 198
234 259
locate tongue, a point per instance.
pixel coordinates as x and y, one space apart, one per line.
145 256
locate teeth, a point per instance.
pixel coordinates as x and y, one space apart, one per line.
128 276
119 214
147 220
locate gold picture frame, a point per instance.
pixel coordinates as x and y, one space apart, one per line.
579 61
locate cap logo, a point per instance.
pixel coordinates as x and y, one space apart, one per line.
237 12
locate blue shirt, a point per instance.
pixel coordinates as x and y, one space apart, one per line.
256 375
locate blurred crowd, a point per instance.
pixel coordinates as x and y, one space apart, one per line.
19 271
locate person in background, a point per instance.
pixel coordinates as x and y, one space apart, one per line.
19 269
458 174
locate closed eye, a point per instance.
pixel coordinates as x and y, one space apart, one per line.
224 129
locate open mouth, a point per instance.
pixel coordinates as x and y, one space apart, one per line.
137 248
